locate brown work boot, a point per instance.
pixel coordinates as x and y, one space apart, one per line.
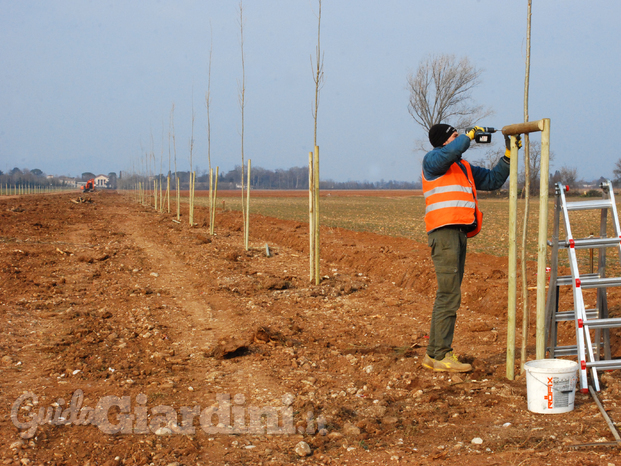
450 363
429 362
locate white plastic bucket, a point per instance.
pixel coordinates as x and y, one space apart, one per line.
551 385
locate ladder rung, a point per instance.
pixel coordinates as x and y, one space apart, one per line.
600 282
589 280
568 280
585 243
570 350
564 351
603 323
571 315
585 205
605 364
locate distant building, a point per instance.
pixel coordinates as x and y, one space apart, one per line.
67 181
101 181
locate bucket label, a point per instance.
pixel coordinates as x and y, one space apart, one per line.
561 400
558 391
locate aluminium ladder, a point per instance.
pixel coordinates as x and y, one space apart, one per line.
587 349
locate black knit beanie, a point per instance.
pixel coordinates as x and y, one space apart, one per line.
439 134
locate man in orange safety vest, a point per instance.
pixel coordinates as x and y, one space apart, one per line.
452 215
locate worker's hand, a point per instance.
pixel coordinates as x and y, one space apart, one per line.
518 143
474 131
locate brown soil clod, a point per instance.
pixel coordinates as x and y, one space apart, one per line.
82 200
230 347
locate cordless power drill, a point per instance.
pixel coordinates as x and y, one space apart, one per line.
485 137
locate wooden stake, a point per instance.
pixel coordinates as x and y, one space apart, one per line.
178 200
210 208
316 214
161 197
512 292
190 200
311 216
215 197
247 232
191 197
543 237
168 191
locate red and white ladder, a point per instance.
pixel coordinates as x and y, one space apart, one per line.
592 325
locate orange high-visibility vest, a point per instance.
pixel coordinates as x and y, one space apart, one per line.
451 199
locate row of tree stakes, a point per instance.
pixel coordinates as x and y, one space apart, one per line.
158 197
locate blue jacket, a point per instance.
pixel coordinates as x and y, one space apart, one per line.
437 162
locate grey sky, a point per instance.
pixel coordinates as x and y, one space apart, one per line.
84 84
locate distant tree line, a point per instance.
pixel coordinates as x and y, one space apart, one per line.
36 177
297 178
261 178
24 176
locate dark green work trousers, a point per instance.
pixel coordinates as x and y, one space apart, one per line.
448 251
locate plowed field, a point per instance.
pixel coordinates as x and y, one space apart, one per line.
130 339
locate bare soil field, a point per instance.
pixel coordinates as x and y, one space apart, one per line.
130 339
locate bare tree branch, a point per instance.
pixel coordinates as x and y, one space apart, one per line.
208 98
440 92
318 76
242 105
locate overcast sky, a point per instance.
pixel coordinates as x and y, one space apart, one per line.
88 85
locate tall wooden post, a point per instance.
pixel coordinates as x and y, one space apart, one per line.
213 210
191 197
210 196
543 237
168 191
311 216
316 215
178 200
247 232
512 291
